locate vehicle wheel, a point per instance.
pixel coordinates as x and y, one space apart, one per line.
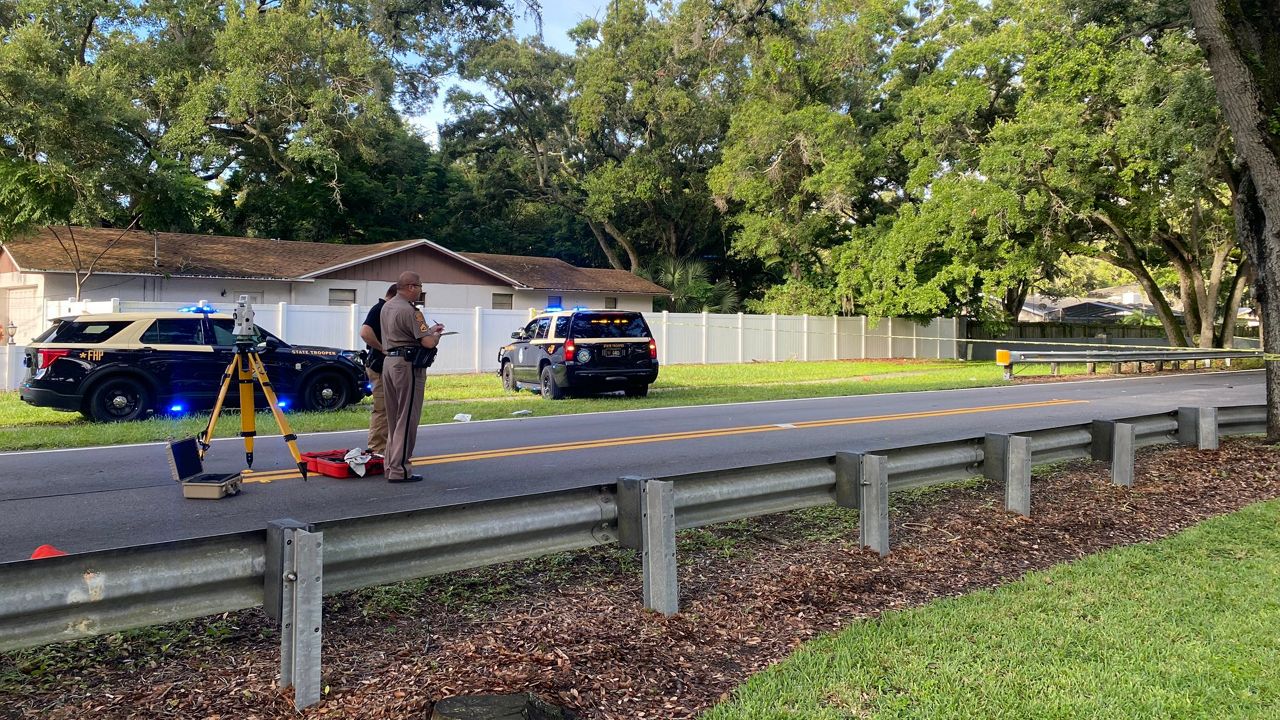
119 400
509 378
325 392
637 391
550 390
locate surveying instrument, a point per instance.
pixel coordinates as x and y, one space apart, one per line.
246 366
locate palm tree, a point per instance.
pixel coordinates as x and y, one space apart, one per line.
690 286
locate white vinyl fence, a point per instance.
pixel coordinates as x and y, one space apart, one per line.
682 337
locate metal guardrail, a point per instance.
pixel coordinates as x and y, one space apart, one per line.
1009 358
89 594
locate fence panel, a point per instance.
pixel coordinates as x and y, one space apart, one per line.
822 341
722 338
684 338
757 338
790 337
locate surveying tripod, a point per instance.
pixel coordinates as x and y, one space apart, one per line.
246 366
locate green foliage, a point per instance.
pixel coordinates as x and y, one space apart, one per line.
796 297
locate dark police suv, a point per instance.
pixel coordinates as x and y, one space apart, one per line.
581 350
123 366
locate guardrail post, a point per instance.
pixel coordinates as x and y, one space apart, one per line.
292 595
1115 368
1007 459
873 500
1091 368
1115 442
647 522
848 492
1198 426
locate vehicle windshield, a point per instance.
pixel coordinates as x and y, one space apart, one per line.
612 325
78 331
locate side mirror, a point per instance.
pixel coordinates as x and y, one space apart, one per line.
517 335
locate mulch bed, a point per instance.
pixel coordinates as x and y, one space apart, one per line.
573 632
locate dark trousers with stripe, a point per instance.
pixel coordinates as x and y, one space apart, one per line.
402 388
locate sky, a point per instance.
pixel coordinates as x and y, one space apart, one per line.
558 16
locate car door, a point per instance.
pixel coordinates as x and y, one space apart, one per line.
175 352
527 353
278 362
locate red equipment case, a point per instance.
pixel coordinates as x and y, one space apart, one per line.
331 464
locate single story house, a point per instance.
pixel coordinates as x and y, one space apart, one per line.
183 268
1040 308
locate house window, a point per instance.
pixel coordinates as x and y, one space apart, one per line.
342 296
502 301
555 301
611 303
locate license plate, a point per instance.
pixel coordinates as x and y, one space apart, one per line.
613 352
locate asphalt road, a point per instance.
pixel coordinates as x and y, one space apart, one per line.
96 498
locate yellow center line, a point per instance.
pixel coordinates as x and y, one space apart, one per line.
272 475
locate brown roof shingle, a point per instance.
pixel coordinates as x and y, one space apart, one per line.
540 273
180 254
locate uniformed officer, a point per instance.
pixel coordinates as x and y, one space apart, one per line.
371 333
403 329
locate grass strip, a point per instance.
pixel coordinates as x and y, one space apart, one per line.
1180 628
481 396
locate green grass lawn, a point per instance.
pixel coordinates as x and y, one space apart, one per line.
1181 628
481 396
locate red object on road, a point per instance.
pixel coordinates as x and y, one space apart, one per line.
46 551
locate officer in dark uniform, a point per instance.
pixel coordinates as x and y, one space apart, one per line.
371 333
404 330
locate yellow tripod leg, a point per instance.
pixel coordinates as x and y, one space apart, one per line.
260 371
247 429
217 407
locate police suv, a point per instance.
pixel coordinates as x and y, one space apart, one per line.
123 366
581 350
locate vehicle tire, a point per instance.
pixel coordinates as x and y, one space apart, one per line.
637 391
119 399
550 389
325 392
509 377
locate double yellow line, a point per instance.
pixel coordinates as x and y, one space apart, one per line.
271 476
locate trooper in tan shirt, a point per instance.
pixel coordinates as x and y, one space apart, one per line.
404 328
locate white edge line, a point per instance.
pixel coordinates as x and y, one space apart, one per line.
527 418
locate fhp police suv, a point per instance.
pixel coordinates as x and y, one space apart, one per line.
124 366
581 350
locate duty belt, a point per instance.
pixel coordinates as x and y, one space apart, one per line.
402 351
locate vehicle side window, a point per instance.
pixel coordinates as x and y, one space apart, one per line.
224 332
174 331
562 327
530 329
541 331
82 332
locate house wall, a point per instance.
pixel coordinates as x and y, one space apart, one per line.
21 303
537 299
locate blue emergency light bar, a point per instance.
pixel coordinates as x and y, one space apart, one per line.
202 308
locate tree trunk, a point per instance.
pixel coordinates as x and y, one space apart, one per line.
1241 40
1232 310
612 256
1133 263
632 256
